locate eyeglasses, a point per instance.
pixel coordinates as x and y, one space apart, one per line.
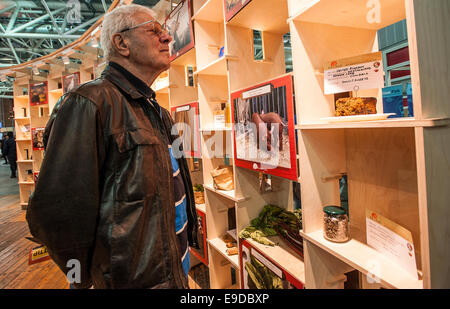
158 29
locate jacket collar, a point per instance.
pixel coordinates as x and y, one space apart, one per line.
118 79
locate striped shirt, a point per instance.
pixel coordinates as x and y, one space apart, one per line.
181 215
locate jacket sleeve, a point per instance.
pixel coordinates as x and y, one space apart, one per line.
63 211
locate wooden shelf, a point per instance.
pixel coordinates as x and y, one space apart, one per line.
228 194
26 182
23 140
56 91
214 129
22 118
361 256
350 13
211 11
217 67
284 256
22 97
187 58
220 246
24 161
201 207
389 123
264 15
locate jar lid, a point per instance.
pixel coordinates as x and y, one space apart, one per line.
334 210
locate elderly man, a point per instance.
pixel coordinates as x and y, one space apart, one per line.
111 197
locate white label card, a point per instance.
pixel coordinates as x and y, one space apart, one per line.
392 246
356 77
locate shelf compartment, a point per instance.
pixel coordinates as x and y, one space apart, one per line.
228 194
350 13
221 247
406 122
264 15
211 11
284 256
360 256
217 67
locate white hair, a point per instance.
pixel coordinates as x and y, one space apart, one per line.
120 18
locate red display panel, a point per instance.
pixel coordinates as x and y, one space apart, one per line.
232 7
38 93
179 25
37 135
188 115
252 258
70 81
264 128
202 253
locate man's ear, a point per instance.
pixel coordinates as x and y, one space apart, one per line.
121 45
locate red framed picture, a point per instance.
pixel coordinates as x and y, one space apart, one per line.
264 128
186 118
37 135
70 81
38 94
253 260
179 25
232 7
202 253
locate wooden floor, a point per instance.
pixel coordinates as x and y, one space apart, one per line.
15 273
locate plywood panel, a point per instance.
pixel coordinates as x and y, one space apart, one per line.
316 44
210 38
179 94
246 72
382 177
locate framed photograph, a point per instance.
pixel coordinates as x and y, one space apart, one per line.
186 118
70 81
260 272
264 128
232 7
38 138
38 94
179 25
202 253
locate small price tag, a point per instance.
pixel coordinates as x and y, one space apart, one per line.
37 255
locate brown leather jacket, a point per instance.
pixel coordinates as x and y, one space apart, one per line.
105 192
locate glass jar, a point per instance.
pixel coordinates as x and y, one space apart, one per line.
335 224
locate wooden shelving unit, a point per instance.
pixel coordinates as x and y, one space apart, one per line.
391 165
396 167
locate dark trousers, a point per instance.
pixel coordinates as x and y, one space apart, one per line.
13 167
6 159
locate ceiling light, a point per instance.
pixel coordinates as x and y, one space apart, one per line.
66 60
94 42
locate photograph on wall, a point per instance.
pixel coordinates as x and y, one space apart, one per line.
202 252
70 81
259 272
264 128
38 93
187 120
232 7
179 26
38 138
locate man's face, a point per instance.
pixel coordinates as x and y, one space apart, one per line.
147 49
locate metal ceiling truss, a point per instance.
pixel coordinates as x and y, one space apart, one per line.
31 29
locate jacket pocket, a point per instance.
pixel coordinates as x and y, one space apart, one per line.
128 140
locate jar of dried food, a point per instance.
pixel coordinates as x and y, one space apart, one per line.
335 224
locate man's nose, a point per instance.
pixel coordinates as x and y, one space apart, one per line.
166 38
